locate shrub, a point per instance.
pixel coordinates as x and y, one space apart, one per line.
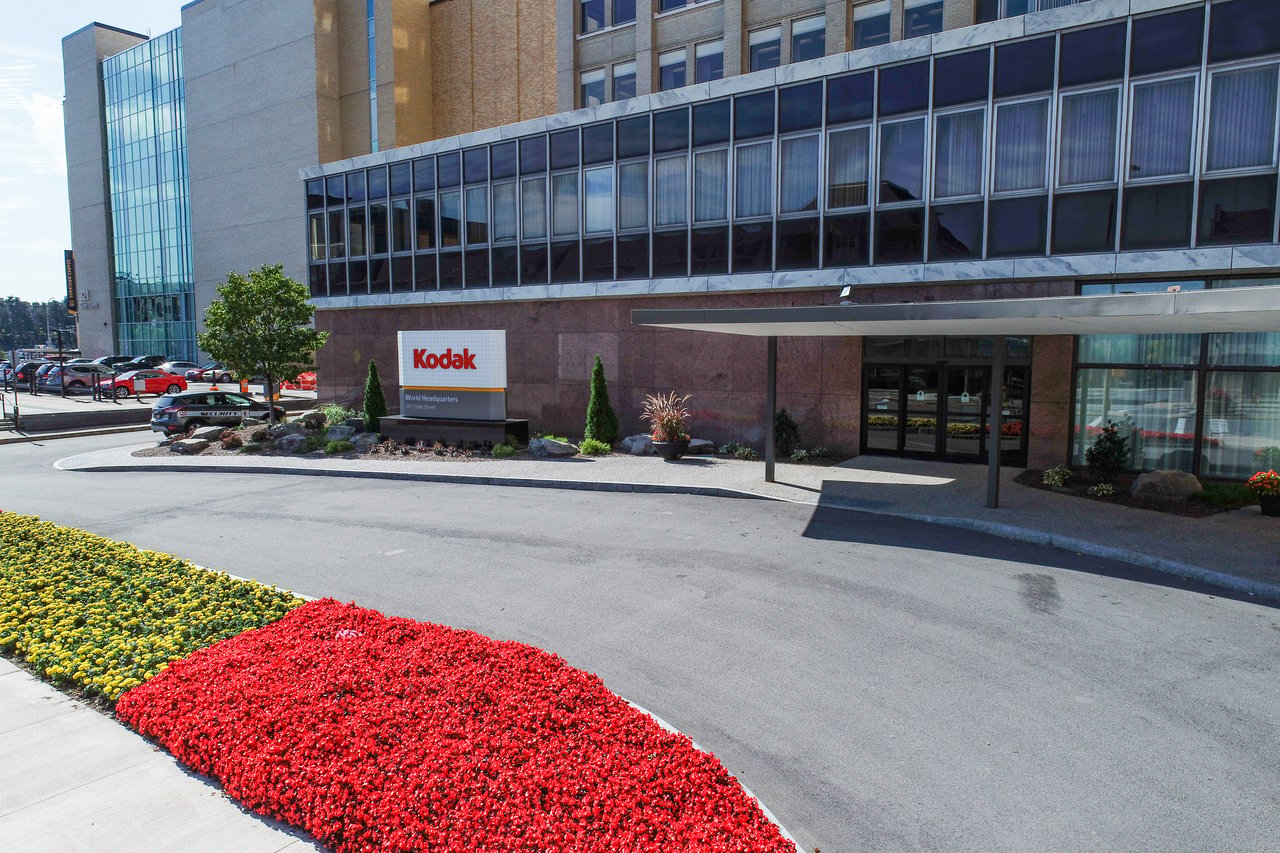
338 447
962 429
592 447
1058 475
1109 453
551 436
231 440
375 405
799 455
819 451
667 416
1102 490
602 422
728 449
314 442
105 616
335 414
510 439
882 421
786 434
744 452
503 451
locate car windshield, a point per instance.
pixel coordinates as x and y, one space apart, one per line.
165 402
237 400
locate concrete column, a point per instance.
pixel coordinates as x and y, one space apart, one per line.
645 56
837 26
734 38
566 42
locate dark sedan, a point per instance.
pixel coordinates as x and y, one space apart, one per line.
179 413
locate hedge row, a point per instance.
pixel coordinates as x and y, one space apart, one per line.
105 616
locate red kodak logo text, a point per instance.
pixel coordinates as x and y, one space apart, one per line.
447 360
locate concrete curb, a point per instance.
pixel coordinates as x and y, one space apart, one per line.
1263 592
25 437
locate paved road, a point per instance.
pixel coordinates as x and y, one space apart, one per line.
880 684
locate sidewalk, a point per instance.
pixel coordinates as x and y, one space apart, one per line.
1237 550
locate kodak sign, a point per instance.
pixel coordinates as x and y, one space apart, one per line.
447 360
459 374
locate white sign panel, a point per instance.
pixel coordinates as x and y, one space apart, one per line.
469 358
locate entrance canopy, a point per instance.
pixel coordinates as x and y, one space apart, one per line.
1244 309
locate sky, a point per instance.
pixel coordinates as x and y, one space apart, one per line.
35 227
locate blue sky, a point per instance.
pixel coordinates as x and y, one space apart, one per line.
34 225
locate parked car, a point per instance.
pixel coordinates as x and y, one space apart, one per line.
146 362
6 373
78 361
143 382
79 377
179 413
23 374
43 371
178 367
214 371
112 360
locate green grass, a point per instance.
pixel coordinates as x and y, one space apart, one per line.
1225 495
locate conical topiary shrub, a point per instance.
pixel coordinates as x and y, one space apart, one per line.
602 423
375 405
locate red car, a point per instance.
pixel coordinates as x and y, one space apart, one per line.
144 382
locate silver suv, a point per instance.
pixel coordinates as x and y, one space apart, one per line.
179 413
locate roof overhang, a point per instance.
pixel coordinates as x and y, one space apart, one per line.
1243 309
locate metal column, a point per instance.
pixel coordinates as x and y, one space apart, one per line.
994 421
770 407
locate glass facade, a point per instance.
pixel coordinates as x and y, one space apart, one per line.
1125 135
1205 403
153 287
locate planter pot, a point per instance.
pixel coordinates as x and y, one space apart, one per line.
671 450
1270 505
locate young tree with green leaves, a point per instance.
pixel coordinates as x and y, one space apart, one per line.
260 325
602 422
375 404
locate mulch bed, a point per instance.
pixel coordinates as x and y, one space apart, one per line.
378 733
1080 483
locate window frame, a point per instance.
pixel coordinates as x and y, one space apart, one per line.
1207 173
1120 137
1198 118
985 160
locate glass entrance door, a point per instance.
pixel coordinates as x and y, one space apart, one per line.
965 413
921 435
882 404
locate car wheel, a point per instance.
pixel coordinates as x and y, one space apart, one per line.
226 377
79 386
194 425
121 392
173 389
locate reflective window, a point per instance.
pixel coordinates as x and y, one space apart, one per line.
533 209
1237 210
1157 217
356 233
671 190
800 107
624 81
1024 67
961 78
671 69
1021 148
955 232
958 153
503 159
846 242
597 143
597 186
798 241
1242 119
633 256
633 137
401 178
850 98
711 123
1162 127
708 61
798 174
337 234
564 263
848 153
475 165
335 188
753 180
504 211
709 251
1242 414
670 253
1166 42
592 16
871 24
355 187
904 88
1084 222
591 88
1243 28
377 182
753 247
711 185
315 194
624 11
764 48
753 115
316 236
633 195
597 259
424 223
1156 410
1095 55
564 149
450 232
448 170
900 236
564 204
808 38
902 161
1016 227
921 17
533 154
401 226
671 130
1087 148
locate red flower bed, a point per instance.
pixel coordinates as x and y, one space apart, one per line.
374 733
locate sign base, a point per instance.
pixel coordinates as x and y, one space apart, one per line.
453 432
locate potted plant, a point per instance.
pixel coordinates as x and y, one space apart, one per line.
1266 485
668 422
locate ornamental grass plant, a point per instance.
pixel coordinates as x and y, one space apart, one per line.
667 415
103 616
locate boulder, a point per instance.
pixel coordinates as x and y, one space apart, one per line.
552 448
1165 485
339 433
700 447
252 422
637 445
212 433
312 420
259 434
356 424
281 430
365 441
292 443
188 446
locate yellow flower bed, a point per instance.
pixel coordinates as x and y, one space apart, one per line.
106 616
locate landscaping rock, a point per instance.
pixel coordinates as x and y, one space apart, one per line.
700 447
1165 485
188 446
365 441
339 433
292 443
552 448
252 422
259 433
312 420
637 445
356 424
281 430
212 433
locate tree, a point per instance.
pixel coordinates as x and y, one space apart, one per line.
602 423
261 326
375 405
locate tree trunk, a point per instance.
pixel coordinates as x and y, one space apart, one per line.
271 409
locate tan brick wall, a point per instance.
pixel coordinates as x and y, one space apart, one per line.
328 89
353 77
492 63
408 88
